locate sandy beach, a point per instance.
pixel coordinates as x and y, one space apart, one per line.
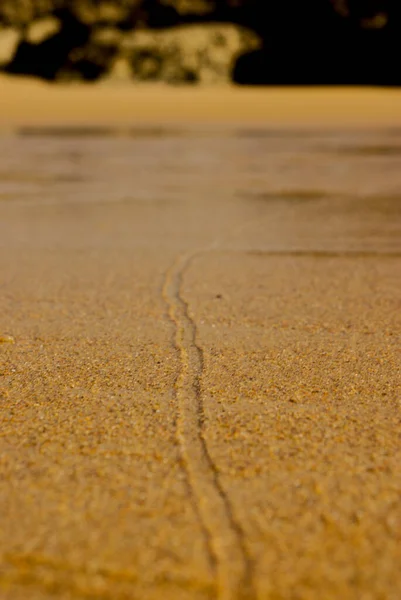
31 102
199 344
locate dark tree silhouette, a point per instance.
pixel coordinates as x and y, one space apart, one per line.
313 42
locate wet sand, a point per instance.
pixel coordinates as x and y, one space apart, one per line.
200 387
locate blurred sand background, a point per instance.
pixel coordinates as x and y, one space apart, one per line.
27 101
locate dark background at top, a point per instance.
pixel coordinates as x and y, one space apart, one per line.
304 42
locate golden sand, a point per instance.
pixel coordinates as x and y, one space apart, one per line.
32 102
203 396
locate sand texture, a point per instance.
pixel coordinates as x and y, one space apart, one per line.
200 364
31 102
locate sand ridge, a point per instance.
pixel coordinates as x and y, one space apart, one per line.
225 535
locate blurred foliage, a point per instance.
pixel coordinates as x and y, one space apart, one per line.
358 41
261 13
23 12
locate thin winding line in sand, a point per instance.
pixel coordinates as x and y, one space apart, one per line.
225 537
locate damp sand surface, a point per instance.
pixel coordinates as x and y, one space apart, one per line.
199 361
